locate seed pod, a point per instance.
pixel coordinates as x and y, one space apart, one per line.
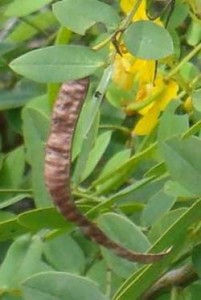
57 168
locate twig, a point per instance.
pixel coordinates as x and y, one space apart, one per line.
8 26
179 277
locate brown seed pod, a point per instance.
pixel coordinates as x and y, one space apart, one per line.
57 168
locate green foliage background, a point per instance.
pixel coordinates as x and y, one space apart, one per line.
144 192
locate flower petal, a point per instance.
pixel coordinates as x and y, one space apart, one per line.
147 122
127 5
169 94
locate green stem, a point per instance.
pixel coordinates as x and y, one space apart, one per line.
63 36
140 105
121 28
86 196
191 85
184 60
124 130
125 23
174 293
16 191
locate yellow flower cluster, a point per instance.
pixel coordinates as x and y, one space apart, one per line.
154 92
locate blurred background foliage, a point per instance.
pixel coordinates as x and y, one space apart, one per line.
136 157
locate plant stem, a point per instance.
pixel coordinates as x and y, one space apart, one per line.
174 293
16 191
179 277
191 85
184 60
86 196
125 23
140 105
124 130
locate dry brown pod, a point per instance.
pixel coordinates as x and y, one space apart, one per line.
58 164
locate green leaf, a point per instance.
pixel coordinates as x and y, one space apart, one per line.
35 128
122 230
126 194
172 124
35 24
79 16
39 219
88 142
192 130
182 158
156 171
121 173
161 225
20 8
194 33
196 259
64 254
11 297
99 273
22 260
96 153
57 63
125 233
195 290
13 200
60 286
144 39
5 216
188 71
113 163
11 176
179 14
10 229
173 188
19 96
157 206
196 96
139 282
81 128
6 47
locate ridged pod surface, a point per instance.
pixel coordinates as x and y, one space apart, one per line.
58 163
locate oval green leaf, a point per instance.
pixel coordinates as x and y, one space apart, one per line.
19 8
147 40
182 158
196 99
60 286
22 260
123 231
57 63
64 254
79 15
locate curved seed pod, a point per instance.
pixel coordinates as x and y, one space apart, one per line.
57 168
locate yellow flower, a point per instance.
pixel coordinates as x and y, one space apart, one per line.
122 75
128 69
127 5
144 70
153 94
188 105
161 93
